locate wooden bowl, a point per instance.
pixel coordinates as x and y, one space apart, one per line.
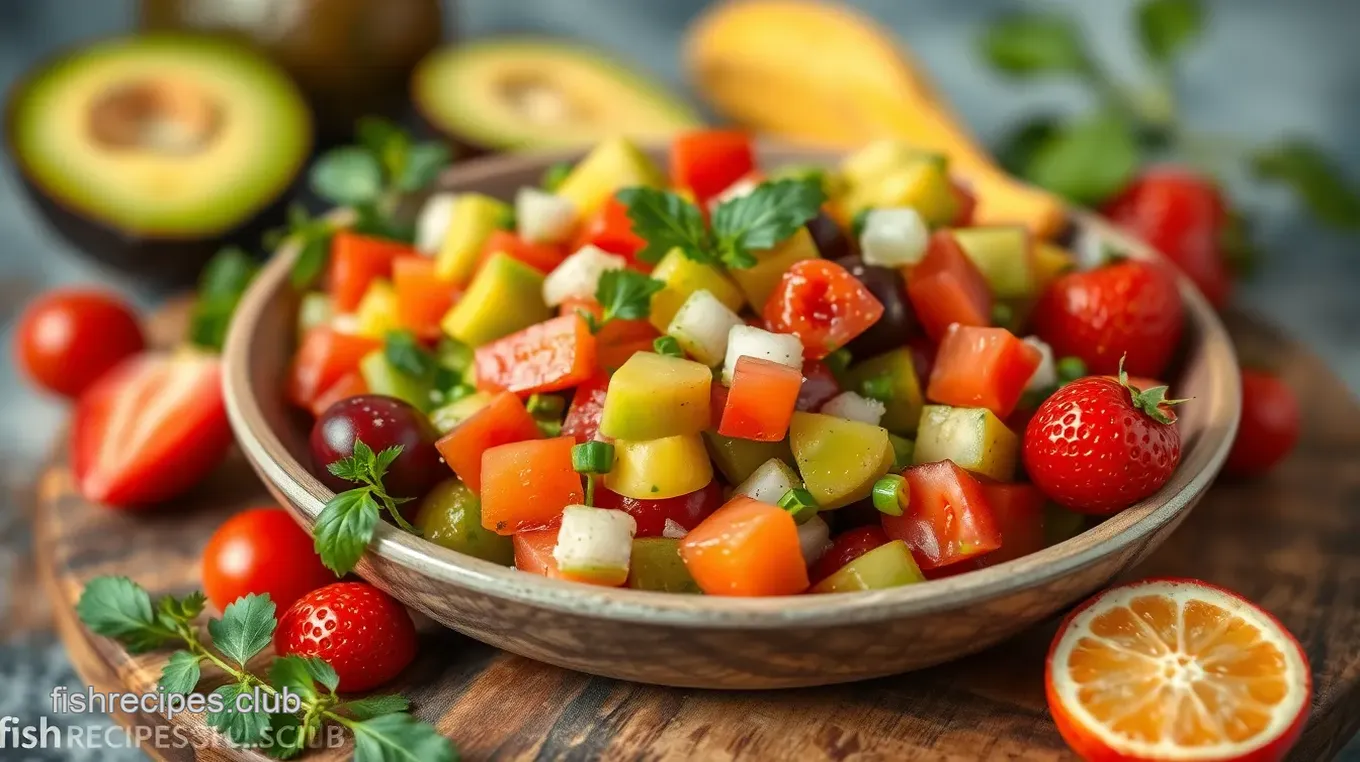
708 641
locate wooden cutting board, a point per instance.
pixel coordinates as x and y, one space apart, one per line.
1290 542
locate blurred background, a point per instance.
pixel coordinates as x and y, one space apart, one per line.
1258 71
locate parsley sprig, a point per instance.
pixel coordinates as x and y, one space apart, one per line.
741 226
623 295
346 524
119 608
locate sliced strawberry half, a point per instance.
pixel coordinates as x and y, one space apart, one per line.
149 429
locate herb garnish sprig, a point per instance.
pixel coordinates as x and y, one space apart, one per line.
622 295
347 522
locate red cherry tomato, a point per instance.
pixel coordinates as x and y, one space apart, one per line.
823 305
1269 427
685 510
68 338
587 405
706 162
362 632
261 551
846 547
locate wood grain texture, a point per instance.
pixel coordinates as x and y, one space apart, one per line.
1287 542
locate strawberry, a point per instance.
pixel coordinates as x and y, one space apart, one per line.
1099 445
1128 309
358 629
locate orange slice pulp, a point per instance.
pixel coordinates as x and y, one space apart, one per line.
1175 669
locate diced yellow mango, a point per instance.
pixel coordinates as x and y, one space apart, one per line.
377 310
659 468
838 459
654 396
683 276
505 297
757 283
472 220
613 165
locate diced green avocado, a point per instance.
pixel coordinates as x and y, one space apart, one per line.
739 458
973 437
838 459
472 220
886 566
524 94
505 297
314 310
1005 256
904 406
451 516
447 417
382 377
656 565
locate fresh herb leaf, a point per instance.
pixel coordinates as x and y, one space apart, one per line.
1165 27
858 222
310 262
344 529
368 707
245 628
288 736
555 175
300 674
312 236
666 221
348 176
667 346
398 738
1307 170
405 353
764 217
174 611
424 162
383 461
181 673
1019 147
1034 43
220 287
623 294
1086 161
238 727
119 608
380 136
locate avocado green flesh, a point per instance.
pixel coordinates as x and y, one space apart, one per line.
528 94
217 172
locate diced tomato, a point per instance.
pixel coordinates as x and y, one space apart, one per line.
351 384
685 510
945 287
525 485
1018 512
846 547
717 403
706 162
357 261
760 401
967 204
616 331
823 305
422 298
502 421
611 357
534 554
948 520
611 230
746 548
982 367
819 385
149 429
544 257
547 357
587 405
325 356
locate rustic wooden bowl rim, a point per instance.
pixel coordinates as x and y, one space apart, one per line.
1200 463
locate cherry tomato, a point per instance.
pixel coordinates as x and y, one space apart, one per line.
823 305
261 551
68 338
1269 427
846 547
379 422
706 162
685 510
587 405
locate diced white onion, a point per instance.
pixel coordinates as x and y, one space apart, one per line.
1046 375
749 341
543 217
346 323
769 482
853 407
433 222
744 186
673 531
593 539
579 275
701 327
814 537
894 237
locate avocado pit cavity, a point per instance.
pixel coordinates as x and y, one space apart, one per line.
539 101
161 116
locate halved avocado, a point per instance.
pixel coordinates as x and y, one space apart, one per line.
151 152
513 94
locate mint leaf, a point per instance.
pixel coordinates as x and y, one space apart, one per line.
119 608
238 727
1307 170
347 176
181 673
300 674
344 529
764 217
348 469
287 736
399 738
245 628
424 162
1165 27
1086 161
1034 43
625 294
220 287
666 221
369 707
405 353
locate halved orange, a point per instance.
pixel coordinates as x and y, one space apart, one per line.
1176 669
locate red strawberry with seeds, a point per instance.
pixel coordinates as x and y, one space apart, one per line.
358 629
1128 309
1099 445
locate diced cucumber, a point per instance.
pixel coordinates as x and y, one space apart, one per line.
314 310
903 450
454 355
595 543
473 218
853 407
903 407
656 469
889 565
683 276
447 417
1004 254
759 281
973 437
702 325
578 276
382 377
653 396
543 217
610 166
839 460
656 565
769 482
748 341
377 310
739 458
505 297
